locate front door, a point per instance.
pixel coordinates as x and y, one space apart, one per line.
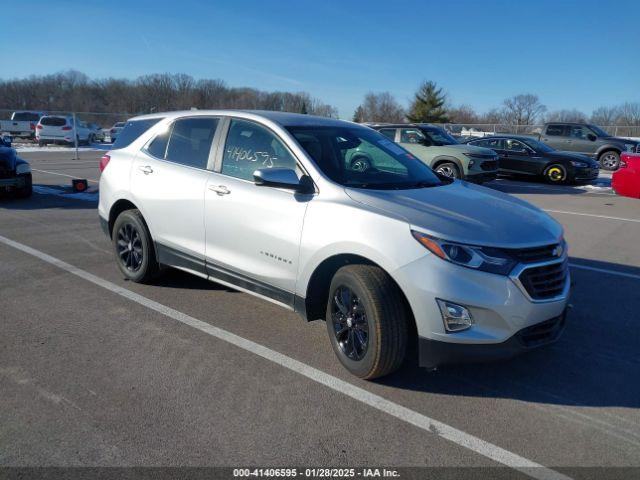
169 178
253 232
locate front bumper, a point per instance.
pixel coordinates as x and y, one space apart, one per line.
500 306
15 182
434 353
586 173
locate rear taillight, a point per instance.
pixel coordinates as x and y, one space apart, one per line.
32 126
66 128
104 161
39 127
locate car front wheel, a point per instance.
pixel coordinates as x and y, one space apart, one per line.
133 247
555 174
367 321
448 169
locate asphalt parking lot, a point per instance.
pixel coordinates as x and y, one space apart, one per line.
92 375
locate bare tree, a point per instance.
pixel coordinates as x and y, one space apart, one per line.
566 116
523 109
629 114
463 114
605 115
380 107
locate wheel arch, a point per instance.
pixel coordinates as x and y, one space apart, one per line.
446 158
317 291
608 148
116 209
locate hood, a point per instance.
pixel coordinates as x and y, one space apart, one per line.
620 140
466 213
8 158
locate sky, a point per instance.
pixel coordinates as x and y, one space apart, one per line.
573 53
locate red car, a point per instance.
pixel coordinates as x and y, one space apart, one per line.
626 180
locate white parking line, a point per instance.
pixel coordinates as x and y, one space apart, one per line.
606 270
635 220
64 175
405 414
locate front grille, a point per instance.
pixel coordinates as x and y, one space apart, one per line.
489 165
6 174
535 254
541 333
544 282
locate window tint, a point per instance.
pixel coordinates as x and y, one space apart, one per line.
132 130
493 143
54 121
514 145
190 141
25 117
578 131
250 147
413 135
158 146
390 133
556 130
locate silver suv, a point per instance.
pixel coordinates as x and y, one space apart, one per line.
268 203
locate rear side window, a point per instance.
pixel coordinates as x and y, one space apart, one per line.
132 130
158 147
190 141
493 143
25 117
53 121
557 130
390 133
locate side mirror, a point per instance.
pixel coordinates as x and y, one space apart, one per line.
282 178
592 137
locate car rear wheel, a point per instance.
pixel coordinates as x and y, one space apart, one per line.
448 169
555 173
133 247
367 321
609 160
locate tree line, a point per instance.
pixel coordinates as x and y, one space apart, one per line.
73 91
431 104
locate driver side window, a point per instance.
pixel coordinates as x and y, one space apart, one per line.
413 135
250 147
514 146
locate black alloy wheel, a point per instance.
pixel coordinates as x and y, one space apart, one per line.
349 323
129 247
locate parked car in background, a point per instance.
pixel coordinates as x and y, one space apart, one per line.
115 130
390 256
98 132
15 173
626 180
60 129
523 155
587 139
439 150
22 124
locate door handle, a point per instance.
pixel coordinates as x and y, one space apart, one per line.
220 189
146 169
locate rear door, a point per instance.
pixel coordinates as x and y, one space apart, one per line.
556 136
520 158
253 232
168 181
578 140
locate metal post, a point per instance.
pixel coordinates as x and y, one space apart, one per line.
75 134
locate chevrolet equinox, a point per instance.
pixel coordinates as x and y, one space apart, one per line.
395 255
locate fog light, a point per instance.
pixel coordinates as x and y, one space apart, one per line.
455 317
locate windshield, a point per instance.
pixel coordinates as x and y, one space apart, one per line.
25 117
537 146
598 131
363 158
439 136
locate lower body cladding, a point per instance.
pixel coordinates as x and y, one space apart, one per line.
586 174
505 321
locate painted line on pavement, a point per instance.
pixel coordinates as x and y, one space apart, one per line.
605 270
64 175
635 220
463 439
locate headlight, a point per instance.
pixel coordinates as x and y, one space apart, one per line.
23 168
579 164
629 147
487 259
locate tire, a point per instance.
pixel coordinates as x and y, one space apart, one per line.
555 173
91 139
371 341
41 144
360 164
448 169
133 247
609 160
27 190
